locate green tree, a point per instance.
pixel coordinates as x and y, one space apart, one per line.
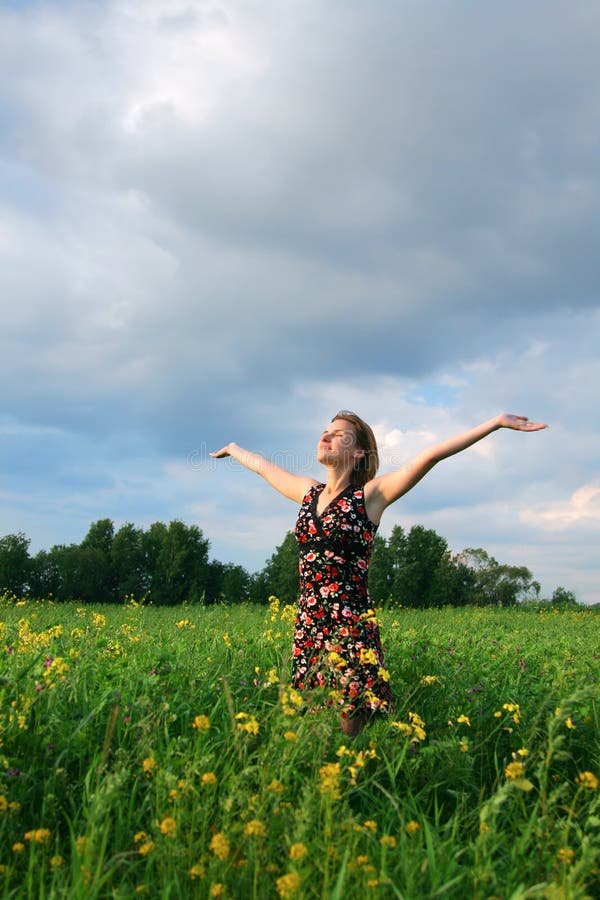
562 597
496 584
100 536
280 575
235 584
14 564
78 573
98 582
214 581
152 543
380 571
128 561
416 557
227 583
45 576
453 583
180 563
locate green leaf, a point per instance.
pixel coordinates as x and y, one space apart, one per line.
523 784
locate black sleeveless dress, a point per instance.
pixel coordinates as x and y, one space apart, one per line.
336 639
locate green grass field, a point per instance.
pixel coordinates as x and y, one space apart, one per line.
161 752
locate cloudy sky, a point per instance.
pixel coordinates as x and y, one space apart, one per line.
227 220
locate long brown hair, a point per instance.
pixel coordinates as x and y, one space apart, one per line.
365 467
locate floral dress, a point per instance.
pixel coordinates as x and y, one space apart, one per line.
336 639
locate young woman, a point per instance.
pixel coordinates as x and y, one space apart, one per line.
336 639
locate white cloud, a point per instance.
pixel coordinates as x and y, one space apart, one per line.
581 509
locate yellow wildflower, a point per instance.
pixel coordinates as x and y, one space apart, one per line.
290 735
38 835
359 762
370 825
149 765
56 861
403 728
139 837
247 723
463 746
298 851
566 855
208 778
514 770
254 828
330 780
369 616
412 827
276 786
201 723
197 871
418 726
587 780
387 840
146 848
287 885
464 720
515 710
219 845
80 843
18 847
296 697
367 657
168 826
570 724
428 680
217 890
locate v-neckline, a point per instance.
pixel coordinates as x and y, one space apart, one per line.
318 517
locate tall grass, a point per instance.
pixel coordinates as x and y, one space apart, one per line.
161 752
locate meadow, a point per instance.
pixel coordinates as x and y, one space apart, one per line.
160 752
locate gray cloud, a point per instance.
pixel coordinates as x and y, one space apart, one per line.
220 221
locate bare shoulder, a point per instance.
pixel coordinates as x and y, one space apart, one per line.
304 486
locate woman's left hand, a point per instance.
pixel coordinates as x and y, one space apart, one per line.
519 423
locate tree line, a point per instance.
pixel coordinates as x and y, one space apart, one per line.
169 564
416 569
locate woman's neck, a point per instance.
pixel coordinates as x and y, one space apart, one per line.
336 482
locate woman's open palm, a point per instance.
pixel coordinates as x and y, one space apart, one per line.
519 423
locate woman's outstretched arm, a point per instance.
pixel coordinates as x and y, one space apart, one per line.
385 489
292 486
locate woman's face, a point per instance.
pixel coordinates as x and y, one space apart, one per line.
338 444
